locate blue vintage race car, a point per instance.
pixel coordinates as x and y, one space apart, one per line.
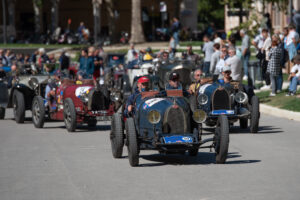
165 122
233 100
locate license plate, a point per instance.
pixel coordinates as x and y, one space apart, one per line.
178 139
222 112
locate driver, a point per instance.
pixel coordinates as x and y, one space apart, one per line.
142 85
50 90
194 87
174 83
226 72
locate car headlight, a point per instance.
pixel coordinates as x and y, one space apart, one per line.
202 99
115 96
84 98
33 83
241 97
199 116
154 117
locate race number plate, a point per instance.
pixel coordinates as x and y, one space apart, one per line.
222 112
178 139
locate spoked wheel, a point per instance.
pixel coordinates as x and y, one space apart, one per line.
133 149
254 119
69 115
2 113
18 106
243 123
221 141
38 112
117 136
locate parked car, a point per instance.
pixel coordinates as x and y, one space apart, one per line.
76 103
234 100
164 121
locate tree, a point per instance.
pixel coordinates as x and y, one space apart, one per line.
211 11
137 34
11 15
54 14
97 19
37 5
110 7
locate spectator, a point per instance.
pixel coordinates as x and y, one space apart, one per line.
215 59
291 43
64 61
86 62
33 57
265 51
235 64
98 64
274 66
80 30
102 54
231 43
245 52
296 20
175 28
208 49
217 39
172 47
131 54
8 58
42 59
221 63
191 56
294 77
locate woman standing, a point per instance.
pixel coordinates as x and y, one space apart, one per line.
274 65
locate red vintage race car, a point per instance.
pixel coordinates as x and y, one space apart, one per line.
75 104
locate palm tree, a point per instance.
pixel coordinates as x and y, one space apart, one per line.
137 34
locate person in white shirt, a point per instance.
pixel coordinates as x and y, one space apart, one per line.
294 76
291 41
234 62
131 54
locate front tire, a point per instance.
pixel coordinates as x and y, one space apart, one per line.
254 119
133 150
38 112
222 139
19 106
117 136
69 115
2 113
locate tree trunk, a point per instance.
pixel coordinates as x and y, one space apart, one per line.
37 17
11 16
97 19
54 15
112 21
137 34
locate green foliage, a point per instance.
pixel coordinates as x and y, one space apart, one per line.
211 11
39 3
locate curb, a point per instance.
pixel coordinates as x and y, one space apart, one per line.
277 112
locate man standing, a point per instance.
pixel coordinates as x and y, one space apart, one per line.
215 59
175 28
235 65
245 52
208 49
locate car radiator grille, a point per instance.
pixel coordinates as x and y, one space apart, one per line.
175 121
220 100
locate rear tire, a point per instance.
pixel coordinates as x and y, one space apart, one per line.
69 115
117 136
133 150
38 112
254 119
2 113
19 106
222 139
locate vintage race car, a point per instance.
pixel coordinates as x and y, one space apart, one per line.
165 122
183 68
144 69
234 100
76 103
21 93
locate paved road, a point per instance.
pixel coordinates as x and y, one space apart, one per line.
51 164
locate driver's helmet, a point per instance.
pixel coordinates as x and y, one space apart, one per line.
144 80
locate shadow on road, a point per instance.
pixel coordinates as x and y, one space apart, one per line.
203 158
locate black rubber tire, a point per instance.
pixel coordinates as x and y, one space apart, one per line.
2 113
243 123
133 149
92 123
19 106
254 119
193 152
222 139
69 115
117 136
38 112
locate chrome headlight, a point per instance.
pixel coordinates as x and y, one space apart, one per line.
84 98
115 96
241 97
199 116
33 83
154 117
202 99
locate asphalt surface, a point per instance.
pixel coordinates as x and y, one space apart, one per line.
52 164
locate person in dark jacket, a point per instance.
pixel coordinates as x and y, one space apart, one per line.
86 63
